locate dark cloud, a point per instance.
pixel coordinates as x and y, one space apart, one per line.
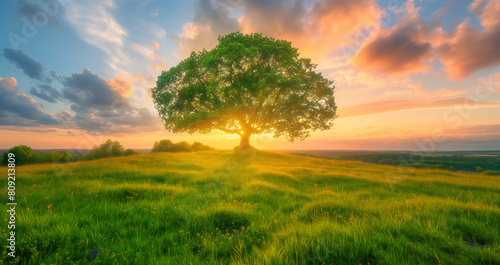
22 127
216 15
403 49
99 105
277 17
100 108
46 93
39 10
87 90
32 68
19 109
211 19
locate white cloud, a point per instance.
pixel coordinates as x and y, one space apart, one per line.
158 31
94 23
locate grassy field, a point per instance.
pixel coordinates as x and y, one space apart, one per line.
215 208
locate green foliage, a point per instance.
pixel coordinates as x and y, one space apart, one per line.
248 84
385 162
56 157
23 155
491 172
181 147
447 162
281 209
166 145
130 152
197 146
26 155
79 157
108 149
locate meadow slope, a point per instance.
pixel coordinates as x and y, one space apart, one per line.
214 208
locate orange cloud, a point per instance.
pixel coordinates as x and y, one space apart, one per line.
470 48
158 66
155 61
348 77
152 52
136 47
120 85
196 37
340 19
315 31
419 93
189 31
496 81
400 105
140 78
155 45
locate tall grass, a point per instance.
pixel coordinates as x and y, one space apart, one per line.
207 208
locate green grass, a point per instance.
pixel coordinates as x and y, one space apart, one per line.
212 208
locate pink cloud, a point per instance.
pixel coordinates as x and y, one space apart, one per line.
411 44
156 63
9 83
470 48
496 80
403 49
400 105
314 30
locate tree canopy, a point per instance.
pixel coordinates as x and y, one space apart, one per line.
23 155
247 84
109 149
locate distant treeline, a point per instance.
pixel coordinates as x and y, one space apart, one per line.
26 155
485 164
166 145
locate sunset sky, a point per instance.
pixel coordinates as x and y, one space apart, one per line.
412 75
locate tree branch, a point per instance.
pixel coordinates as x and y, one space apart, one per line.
229 131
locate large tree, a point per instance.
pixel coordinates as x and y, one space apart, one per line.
247 84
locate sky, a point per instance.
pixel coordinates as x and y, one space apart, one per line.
408 75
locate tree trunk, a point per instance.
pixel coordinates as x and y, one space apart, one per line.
245 140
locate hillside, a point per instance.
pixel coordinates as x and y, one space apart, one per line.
469 161
212 208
